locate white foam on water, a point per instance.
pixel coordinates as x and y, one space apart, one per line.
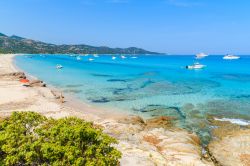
235 121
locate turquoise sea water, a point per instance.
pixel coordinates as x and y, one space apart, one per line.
152 85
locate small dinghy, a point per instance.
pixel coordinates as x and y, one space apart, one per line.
196 66
78 58
123 57
58 66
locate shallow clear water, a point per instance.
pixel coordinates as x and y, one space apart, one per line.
152 85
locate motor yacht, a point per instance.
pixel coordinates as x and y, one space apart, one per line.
200 56
231 57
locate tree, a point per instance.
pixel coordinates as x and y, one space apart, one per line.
28 138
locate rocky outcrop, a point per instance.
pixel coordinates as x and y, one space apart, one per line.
36 83
233 149
231 144
154 142
13 76
160 122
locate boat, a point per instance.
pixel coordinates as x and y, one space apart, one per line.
133 57
58 66
196 66
91 59
231 57
113 57
78 58
123 57
200 56
96 55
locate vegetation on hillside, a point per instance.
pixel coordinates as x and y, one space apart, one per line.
16 44
28 138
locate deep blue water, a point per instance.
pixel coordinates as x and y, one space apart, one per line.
152 85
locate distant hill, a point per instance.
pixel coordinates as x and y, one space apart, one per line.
16 44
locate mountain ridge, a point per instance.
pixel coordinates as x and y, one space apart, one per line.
17 44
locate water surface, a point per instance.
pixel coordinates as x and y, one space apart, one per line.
152 85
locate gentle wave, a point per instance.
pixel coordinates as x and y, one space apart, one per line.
235 121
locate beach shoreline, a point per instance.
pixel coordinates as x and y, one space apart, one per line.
154 142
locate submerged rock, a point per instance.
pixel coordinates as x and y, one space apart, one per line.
117 80
135 120
120 91
72 91
147 83
233 149
74 86
160 122
231 143
156 110
234 77
101 75
100 100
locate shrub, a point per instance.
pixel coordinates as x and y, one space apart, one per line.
28 138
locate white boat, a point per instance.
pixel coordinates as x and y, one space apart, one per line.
200 56
196 66
78 58
91 59
133 57
123 57
231 57
96 55
58 66
113 57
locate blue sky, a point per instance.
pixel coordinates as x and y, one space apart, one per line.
170 26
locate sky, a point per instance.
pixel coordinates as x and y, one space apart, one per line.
167 26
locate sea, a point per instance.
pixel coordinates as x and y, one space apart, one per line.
152 85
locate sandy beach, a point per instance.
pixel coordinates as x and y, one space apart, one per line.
142 142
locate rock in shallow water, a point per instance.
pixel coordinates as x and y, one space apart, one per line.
233 149
231 144
155 142
160 122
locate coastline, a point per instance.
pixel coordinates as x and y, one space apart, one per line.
154 142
